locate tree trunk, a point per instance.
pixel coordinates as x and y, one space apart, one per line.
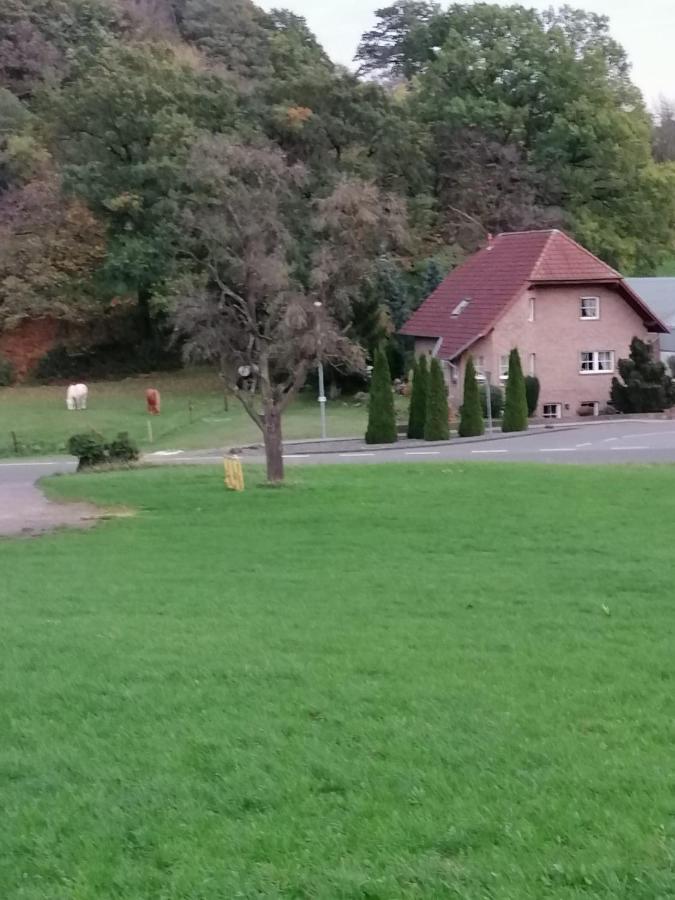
274 454
144 315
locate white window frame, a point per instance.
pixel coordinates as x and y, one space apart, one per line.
557 410
595 362
479 366
531 313
504 367
584 318
532 364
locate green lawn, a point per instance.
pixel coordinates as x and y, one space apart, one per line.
438 681
42 424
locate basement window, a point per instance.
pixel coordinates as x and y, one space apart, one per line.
552 411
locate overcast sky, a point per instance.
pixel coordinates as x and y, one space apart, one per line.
646 28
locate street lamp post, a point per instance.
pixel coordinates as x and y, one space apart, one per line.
488 400
322 388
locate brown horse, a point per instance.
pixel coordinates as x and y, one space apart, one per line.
153 401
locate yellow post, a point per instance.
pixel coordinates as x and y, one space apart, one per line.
234 474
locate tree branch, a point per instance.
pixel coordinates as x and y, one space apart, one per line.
298 381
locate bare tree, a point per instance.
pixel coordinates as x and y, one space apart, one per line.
273 274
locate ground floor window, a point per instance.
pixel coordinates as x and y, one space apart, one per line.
503 367
552 410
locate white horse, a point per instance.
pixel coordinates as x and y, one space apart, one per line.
76 396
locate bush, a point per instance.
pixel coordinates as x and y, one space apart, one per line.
532 388
515 407
436 425
497 398
381 412
418 400
123 449
471 423
647 386
7 373
89 448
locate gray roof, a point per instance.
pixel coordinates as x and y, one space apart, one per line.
658 294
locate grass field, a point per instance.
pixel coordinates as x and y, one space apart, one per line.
42 424
439 681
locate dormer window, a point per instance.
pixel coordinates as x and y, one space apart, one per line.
459 309
590 308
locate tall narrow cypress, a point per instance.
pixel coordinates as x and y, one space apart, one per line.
471 423
515 406
418 399
381 411
437 426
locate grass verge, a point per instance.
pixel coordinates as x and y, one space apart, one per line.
35 421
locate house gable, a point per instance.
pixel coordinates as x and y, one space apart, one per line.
468 303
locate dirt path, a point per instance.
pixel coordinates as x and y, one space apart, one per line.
24 509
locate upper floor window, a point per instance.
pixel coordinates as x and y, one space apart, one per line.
597 361
533 364
479 365
504 367
530 317
590 308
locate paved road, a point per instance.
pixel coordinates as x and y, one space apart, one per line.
23 508
618 441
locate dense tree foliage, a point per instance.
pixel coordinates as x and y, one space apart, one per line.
476 117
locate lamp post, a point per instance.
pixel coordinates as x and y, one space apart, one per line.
322 391
488 400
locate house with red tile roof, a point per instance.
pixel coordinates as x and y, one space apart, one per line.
570 315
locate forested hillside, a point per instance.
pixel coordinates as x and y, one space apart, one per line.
469 119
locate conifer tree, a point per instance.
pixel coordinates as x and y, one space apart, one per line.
471 422
418 399
515 406
436 425
381 412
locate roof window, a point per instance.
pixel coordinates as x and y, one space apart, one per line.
459 309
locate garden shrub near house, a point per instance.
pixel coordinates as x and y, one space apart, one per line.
497 398
437 426
471 423
647 385
381 411
418 399
515 406
532 389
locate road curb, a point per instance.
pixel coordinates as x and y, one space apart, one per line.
357 445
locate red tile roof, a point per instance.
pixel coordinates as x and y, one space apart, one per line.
493 278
